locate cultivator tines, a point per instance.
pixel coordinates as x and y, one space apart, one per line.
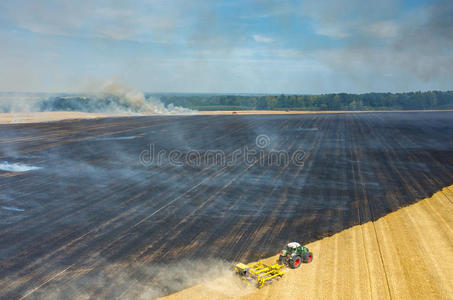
260 272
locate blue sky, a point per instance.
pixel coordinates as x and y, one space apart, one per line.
251 46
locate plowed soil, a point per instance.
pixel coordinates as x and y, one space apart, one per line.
96 221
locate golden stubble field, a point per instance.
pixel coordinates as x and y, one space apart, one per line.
37 117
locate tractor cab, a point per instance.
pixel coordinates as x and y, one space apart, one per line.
294 254
292 247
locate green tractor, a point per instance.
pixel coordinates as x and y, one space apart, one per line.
294 254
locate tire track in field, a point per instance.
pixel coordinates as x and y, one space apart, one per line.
210 197
258 238
223 190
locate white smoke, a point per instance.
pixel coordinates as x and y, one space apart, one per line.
136 100
16 103
16 167
11 208
101 96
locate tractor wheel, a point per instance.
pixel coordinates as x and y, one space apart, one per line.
281 260
295 262
308 257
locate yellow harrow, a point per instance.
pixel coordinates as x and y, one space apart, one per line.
262 273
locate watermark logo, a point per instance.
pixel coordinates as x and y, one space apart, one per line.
260 154
262 141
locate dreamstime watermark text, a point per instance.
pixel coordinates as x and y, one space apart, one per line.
260 154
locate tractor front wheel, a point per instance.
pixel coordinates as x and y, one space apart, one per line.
296 262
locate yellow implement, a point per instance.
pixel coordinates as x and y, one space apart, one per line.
262 273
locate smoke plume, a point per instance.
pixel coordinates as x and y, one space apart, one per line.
109 96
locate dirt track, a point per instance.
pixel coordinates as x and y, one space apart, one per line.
298 112
15 118
51 116
92 217
407 254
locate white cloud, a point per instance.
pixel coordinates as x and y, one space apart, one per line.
254 53
88 19
262 39
284 53
383 29
332 31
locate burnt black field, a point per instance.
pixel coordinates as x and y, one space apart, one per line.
99 200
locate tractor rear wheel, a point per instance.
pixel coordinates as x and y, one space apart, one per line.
308 257
295 262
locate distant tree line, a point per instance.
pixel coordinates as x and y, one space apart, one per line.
341 101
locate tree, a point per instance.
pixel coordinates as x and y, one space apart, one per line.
271 101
